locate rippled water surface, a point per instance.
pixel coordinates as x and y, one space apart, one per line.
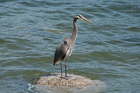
106 50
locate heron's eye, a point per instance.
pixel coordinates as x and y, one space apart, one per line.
65 42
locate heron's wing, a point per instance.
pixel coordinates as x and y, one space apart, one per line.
69 45
60 52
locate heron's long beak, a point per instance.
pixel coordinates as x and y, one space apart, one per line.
87 20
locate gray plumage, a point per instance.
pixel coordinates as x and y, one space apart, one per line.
63 51
65 48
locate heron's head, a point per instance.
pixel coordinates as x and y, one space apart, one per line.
82 18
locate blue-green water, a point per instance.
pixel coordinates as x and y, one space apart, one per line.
106 50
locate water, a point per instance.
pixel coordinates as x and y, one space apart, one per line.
106 50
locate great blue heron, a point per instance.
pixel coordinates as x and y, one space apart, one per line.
65 48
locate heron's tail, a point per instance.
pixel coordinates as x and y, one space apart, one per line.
55 63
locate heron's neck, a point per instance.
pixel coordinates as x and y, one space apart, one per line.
75 30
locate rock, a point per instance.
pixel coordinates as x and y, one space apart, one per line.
52 83
71 81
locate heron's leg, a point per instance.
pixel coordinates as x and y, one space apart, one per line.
65 68
61 69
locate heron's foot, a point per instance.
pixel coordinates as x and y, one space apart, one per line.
64 78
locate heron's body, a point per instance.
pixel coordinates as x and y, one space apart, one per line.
63 51
65 48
